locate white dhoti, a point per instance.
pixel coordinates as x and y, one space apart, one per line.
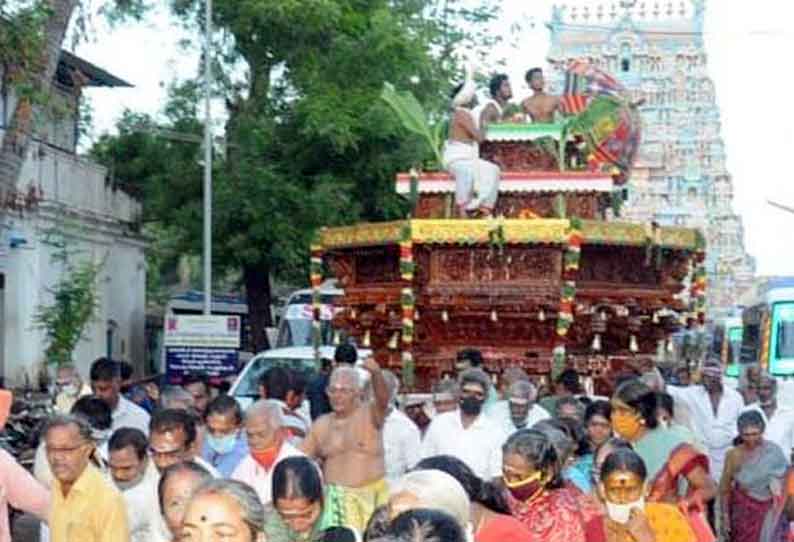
476 180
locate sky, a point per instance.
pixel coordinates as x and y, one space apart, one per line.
744 41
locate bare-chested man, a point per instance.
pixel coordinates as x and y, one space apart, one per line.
349 443
492 111
540 106
476 180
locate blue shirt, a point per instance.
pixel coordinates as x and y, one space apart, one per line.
226 463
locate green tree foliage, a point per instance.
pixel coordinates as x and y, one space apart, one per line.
75 301
308 140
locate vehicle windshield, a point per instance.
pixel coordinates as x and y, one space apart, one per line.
734 344
298 332
249 385
783 328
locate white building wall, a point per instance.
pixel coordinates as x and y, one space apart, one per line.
100 225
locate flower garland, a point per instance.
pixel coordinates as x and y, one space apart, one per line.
407 302
698 292
316 280
571 260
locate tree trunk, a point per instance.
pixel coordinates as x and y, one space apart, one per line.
259 298
20 127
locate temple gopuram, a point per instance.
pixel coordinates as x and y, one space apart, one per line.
658 51
553 280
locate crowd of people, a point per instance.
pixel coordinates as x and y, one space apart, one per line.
346 457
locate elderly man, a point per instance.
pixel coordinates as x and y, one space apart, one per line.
401 438
69 387
714 410
136 478
779 420
349 443
268 445
106 383
85 506
519 411
173 439
467 433
445 396
176 486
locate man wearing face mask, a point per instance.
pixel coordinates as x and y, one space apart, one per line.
224 444
135 476
268 443
628 517
69 387
714 410
467 433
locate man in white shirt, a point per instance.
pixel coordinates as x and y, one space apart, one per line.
714 410
136 478
401 438
519 410
467 433
779 420
106 384
268 445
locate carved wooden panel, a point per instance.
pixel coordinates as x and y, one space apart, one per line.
377 265
621 266
520 156
473 265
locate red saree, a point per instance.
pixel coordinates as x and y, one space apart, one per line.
560 515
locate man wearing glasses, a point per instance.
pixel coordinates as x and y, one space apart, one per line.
467 433
85 506
349 443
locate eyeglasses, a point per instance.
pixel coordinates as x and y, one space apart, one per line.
338 390
65 451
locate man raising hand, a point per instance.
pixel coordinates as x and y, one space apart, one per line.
349 444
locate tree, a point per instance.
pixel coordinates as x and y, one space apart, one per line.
309 142
30 46
75 301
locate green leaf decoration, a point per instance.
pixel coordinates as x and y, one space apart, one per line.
413 118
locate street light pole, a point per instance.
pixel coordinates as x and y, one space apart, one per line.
208 161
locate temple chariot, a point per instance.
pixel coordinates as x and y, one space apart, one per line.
554 280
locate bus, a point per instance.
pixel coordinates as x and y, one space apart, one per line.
726 344
768 337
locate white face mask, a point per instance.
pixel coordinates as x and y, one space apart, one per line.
622 512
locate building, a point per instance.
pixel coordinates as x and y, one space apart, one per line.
657 50
61 196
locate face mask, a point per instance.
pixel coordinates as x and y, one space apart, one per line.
471 406
627 425
266 457
69 389
622 512
528 488
128 484
221 445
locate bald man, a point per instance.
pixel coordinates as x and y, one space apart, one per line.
268 445
349 444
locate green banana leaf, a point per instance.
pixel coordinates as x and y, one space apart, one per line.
413 118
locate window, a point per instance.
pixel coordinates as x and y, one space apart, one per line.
625 65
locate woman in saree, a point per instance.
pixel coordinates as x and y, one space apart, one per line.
297 511
753 476
537 497
629 518
669 459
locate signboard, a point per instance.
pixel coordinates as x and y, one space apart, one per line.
204 345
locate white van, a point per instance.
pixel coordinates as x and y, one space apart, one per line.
295 327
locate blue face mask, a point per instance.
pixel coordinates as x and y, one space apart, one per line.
221 445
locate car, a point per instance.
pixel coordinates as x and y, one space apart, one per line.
299 358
